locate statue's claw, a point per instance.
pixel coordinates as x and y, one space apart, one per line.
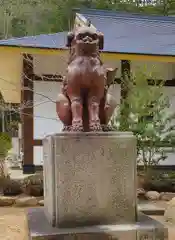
77 126
66 129
95 126
107 128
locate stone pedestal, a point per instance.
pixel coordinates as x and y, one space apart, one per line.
90 178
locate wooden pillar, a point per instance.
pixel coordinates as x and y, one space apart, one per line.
125 76
27 114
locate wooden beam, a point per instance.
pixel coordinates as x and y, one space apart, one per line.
153 82
105 55
37 142
48 78
166 83
27 114
125 76
163 168
158 168
59 78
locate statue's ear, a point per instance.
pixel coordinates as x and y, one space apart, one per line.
70 37
101 40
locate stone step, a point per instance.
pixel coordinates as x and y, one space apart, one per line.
152 208
144 228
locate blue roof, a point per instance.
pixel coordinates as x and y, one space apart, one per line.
134 33
53 41
123 33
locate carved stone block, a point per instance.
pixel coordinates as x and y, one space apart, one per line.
90 178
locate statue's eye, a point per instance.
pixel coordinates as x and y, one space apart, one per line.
86 34
80 36
94 36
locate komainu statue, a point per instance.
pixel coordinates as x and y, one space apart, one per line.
84 104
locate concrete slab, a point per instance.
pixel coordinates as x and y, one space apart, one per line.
144 228
17 174
152 208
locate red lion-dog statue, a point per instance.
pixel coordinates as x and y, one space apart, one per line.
84 104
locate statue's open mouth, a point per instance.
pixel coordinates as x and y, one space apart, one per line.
87 39
86 42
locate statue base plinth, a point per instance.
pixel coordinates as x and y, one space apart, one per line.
90 178
144 228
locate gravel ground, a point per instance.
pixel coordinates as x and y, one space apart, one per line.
13 224
171 227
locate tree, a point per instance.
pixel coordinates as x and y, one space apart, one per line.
149 119
21 18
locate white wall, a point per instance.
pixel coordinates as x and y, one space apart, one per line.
173 66
15 146
45 118
58 64
170 92
51 64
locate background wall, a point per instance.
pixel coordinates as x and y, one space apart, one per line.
45 118
58 65
45 93
10 75
164 70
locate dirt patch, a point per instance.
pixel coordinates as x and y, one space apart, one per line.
13 224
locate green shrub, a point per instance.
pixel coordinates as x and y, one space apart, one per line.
5 144
145 112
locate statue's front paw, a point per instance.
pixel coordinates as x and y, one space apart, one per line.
66 129
107 128
95 126
77 126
